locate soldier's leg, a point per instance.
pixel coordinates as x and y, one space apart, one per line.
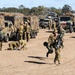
56 55
0 46
25 36
11 46
49 48
62 44
21 35
24 48
28 36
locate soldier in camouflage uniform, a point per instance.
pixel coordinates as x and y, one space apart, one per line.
20 32
54 25
13 45
17 45
52 42
50 24
24 31
28 31
22 45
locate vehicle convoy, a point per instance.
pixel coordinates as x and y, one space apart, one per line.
66 22
34 24
12 20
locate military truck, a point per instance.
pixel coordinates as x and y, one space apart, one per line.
66 22
18 18
44 23
34 24
7 30
15 18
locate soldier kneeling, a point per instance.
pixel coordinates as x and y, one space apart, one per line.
17 45
22 45
14 45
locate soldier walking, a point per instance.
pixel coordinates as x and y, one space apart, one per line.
52 44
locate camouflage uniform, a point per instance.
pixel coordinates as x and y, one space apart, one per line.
28 32
50 24
51 41
24 32
54 25
23 44
13 45
57 50
57 55
20 32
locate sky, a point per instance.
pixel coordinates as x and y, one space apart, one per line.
36 3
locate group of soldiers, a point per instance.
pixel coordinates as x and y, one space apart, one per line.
55 41
22 37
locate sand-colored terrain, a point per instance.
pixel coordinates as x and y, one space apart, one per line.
34 61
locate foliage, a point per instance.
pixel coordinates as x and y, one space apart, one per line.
40 10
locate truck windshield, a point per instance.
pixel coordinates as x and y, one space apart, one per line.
64 18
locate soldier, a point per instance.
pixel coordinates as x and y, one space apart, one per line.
24 31
54 25
20 32
13 45
52 43
28 31
50 24
57 50
22 44
57 47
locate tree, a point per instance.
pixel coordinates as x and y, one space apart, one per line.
66 8
21 7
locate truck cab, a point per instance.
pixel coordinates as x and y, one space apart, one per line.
7 30
66 22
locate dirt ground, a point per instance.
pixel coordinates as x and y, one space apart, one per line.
34 61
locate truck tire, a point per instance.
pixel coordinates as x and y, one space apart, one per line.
6 38
71 29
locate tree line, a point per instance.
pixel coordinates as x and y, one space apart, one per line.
40 10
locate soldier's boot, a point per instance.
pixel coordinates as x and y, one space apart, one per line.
54 62
59 62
